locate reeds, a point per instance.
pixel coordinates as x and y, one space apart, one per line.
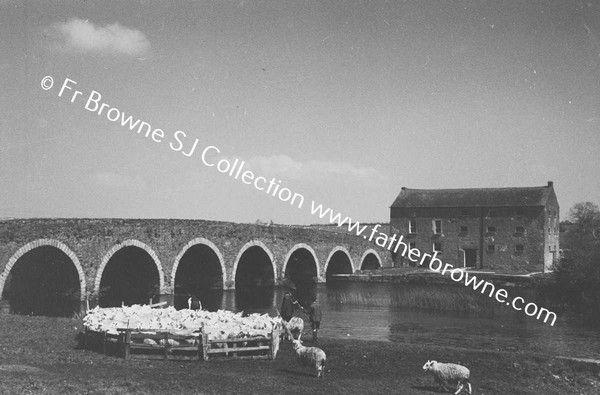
418 297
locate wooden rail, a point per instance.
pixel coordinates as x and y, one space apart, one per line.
257 347
171 346
149 343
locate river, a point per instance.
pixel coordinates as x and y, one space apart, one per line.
374 311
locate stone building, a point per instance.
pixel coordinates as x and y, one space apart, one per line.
509 230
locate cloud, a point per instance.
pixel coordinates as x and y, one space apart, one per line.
83 36
286 167
117 181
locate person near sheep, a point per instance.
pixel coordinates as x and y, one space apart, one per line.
194 303
287 307
314 316
449 375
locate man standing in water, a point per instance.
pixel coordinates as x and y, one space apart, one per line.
314 315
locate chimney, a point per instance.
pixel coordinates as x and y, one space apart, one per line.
550 183
404 188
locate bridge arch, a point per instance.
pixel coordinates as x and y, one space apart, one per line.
41 243
296 248
246 247
370 263
340 253
129 243
190 244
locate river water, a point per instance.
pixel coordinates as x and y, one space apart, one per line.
405 313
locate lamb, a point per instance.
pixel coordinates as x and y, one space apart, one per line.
217 334
310 356
294 327
171 342
446 374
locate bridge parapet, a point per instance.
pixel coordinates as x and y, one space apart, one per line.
91 243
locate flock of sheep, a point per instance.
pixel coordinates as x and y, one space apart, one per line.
225 324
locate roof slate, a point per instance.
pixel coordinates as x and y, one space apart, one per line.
474 197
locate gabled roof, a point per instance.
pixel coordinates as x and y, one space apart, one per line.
474 197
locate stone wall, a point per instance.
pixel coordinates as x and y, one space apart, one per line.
492 231
91 242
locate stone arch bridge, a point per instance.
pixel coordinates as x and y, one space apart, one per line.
107 258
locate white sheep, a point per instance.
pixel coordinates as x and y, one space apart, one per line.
310 356
293 327
449 374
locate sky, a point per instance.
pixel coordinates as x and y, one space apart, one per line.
342 103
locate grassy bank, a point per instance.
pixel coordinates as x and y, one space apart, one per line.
422 289
40 356
439 297
422 275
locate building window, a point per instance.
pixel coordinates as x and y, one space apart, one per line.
437 226
491 247
519 231
437 247
412 226
519 248
464 212
491 229
464 229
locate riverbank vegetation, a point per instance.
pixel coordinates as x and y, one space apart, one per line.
441 297
40 355
575 284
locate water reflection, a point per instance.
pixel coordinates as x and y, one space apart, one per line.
386 312
254 299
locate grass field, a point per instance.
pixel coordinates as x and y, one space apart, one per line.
40 355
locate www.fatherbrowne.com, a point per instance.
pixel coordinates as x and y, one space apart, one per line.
397 245
392 243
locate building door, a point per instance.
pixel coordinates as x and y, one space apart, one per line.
470 257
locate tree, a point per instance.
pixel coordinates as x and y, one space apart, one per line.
577 273
578 281
587 217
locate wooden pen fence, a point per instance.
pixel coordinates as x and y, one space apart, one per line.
149 343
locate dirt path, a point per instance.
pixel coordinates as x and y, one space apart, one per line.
40 356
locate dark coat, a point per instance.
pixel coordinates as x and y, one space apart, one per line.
314 312
287 307
196 305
